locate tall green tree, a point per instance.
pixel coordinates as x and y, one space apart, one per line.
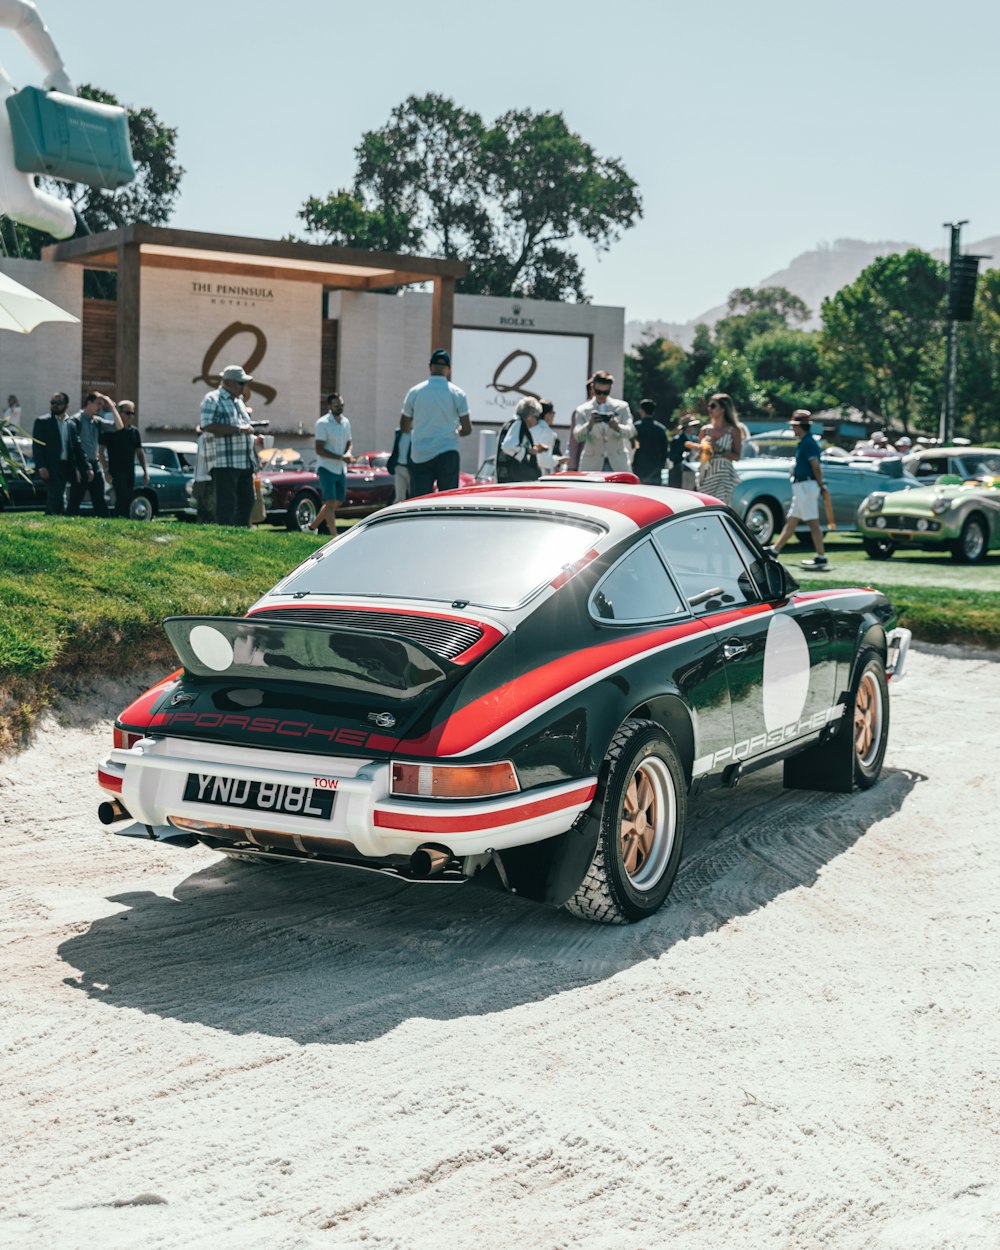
882 341
787 369
150 197
656 369
977 407
755 312
512 198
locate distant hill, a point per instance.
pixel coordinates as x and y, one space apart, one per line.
813 276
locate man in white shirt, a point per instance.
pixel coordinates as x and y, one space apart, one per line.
437 414
333 447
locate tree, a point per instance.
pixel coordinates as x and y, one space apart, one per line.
882 340
150 197
755 312
508 198
656 369
977 408
729 372
787 369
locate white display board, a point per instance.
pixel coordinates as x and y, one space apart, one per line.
498 368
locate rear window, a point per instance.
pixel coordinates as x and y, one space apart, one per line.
489 559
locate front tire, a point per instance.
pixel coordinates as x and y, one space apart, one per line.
972 544
870 705
302 513
642 807
879 548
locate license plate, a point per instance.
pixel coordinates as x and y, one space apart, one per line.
258 796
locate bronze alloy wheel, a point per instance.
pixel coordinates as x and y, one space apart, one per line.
868 716
648 823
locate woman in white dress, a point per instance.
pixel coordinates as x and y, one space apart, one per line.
721 445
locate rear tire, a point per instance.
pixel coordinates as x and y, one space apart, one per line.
642 806
879 548
870 718
972 544
142 507
763 519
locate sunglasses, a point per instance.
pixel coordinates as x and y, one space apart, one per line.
603 393
712 405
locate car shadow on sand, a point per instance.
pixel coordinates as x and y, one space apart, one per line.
340 956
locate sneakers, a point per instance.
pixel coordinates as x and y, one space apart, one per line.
817 563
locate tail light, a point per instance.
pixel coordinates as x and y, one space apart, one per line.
454 781
123 739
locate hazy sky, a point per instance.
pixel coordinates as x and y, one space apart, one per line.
754 131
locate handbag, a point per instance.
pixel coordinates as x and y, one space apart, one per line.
66 137
509 468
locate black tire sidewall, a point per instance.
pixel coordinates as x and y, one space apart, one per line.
869 660
643 739
984 532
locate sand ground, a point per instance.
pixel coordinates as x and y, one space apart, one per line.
801 1050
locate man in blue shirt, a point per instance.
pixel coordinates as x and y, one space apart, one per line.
807 486
436 415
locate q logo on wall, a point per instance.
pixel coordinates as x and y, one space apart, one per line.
211 376
527 370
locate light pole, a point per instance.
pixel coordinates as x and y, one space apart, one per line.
946 426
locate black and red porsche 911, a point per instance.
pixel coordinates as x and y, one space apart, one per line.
518 683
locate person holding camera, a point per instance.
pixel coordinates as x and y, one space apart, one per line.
97 417
604 429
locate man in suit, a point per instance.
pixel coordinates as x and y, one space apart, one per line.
604 429
58 454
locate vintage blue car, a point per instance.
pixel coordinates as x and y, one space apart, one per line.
764 492
167 493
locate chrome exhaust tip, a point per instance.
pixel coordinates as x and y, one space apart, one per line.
111 811
428 861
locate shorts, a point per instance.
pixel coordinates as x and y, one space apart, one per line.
333 486
805 501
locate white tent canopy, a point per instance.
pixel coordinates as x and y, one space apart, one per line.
21 309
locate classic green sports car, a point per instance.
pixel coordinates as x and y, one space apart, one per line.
963 517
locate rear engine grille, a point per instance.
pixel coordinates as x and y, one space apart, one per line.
447 639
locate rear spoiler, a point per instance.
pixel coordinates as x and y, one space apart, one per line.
255 649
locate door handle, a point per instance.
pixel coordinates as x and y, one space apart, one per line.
732 649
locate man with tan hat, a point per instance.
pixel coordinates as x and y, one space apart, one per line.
231 449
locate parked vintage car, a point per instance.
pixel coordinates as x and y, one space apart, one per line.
168 492
292 495
413 700
960 517
764 492
927 464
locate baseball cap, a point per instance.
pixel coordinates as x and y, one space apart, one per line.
235 373
440 357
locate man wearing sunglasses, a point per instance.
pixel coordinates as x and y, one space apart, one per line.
58 454
604 429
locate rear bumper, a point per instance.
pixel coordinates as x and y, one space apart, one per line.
150 778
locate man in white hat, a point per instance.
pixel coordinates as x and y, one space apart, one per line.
231 450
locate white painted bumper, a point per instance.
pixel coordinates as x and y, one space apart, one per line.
154 772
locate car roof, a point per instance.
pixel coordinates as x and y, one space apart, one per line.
622 506
189 449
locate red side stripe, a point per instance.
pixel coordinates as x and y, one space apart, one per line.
471 724
488 820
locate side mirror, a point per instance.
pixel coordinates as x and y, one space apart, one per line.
778 580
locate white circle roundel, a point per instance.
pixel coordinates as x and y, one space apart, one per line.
212 647
786 672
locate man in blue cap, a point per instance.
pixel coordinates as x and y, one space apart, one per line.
436 414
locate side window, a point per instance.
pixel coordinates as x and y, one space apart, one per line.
637 589
702 555
927 467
